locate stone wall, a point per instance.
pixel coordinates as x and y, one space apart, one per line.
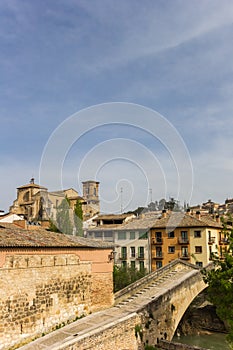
118 335
41 292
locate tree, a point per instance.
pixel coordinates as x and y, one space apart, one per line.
78 218
63 219
125 275
220 282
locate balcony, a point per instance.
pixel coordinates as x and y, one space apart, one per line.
157 241
211 240
183 240
157 255
185 256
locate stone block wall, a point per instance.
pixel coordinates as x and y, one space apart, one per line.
119 335
42 292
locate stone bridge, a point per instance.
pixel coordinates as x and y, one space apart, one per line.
144 313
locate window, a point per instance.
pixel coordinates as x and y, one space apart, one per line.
132 235
210 253
171 249
159 252
98 235
159 264
133 264
132 252
171 234
121 235
124 263
199 263
141 265
184 252
158 236
197 234
141 252
198 249
108 236
123 252
184 234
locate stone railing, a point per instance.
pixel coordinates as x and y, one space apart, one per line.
148 278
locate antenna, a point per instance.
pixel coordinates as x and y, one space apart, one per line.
121 200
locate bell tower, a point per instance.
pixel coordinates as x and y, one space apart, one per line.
91 194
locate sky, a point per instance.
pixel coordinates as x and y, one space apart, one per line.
136 95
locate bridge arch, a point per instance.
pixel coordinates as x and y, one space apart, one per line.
179 284
161 317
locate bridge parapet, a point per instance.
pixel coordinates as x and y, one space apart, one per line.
175 265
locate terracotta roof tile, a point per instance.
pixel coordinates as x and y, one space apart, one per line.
184 220
12 236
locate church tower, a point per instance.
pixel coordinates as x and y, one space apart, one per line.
91 195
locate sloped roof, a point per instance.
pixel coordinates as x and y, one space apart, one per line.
112 217
12 236
32 186
185 220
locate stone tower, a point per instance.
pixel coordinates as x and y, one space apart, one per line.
91 195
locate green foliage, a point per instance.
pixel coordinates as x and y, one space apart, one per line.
63 219
150 347
220 283
124 275
78 218
52 226
138 331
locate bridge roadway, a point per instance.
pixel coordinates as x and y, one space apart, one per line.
126 306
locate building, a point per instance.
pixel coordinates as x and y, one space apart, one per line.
49 279
193 238
130 236
91 197
36 204
29 202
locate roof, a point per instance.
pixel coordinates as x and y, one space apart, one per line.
90 181
112 216
12 237
175 219
140 223
31 185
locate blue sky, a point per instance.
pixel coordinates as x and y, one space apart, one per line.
174 56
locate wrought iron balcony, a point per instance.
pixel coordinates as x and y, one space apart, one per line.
157 241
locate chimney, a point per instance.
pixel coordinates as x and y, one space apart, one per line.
188 211
217 218
198 215
164 213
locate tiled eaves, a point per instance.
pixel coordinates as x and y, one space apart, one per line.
17 237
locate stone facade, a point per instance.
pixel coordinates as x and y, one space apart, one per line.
44 288
35 203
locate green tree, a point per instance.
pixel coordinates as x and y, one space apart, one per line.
52 226
220 282
63 220
125 275
78 218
